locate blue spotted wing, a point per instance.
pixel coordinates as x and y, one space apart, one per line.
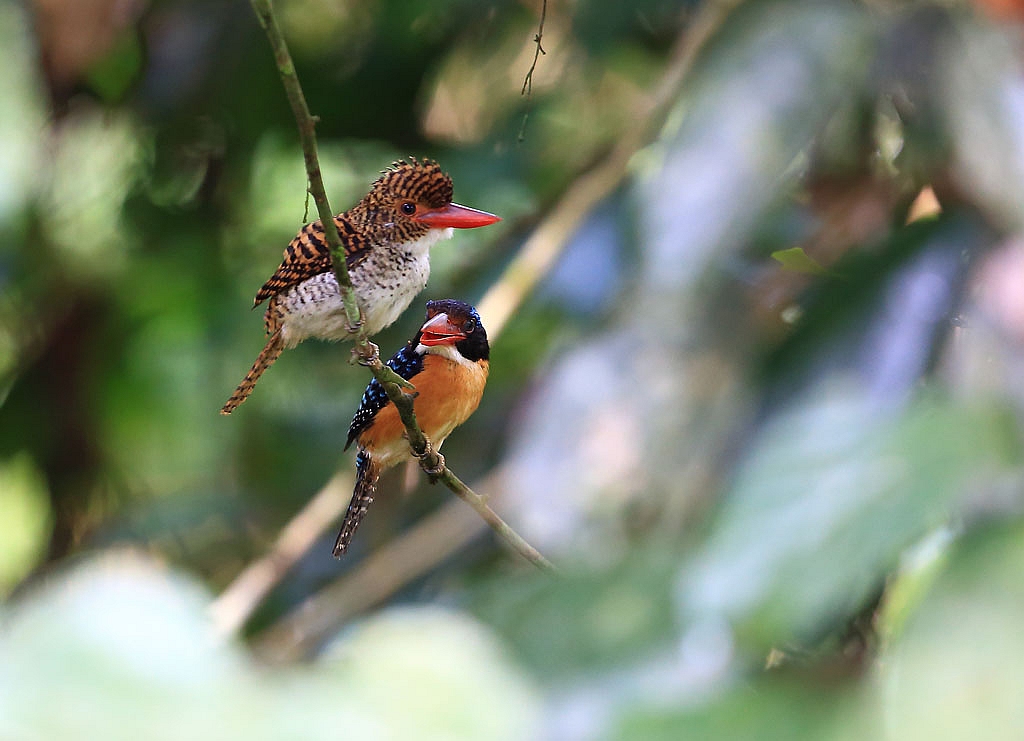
406 363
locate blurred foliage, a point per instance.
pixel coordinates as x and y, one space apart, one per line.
765 412
153 668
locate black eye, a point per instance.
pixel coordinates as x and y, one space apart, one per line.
468 326
408 208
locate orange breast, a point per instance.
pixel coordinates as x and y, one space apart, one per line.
448 393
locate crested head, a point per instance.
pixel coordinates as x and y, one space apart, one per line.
402 191
420 182
409 199
453 324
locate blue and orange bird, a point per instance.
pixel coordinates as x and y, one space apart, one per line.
387 238
448 361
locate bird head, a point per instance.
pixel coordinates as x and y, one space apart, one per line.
413 197
453 324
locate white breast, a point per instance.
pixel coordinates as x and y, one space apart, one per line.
385 283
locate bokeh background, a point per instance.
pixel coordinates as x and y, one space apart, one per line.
757 304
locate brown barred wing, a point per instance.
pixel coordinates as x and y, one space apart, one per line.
307 256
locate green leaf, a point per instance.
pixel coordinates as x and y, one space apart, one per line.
796 260
25 519
832 493
122 648
955 671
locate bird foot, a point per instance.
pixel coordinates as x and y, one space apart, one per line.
366 355
433 472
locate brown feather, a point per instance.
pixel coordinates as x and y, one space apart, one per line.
378 238
307 255
271 352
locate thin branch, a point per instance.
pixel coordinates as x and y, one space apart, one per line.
239 600
528 80
382 573
433 464
506 533
435 537
537 38
244 594
307 135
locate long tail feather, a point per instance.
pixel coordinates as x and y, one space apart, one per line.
367 473
271 352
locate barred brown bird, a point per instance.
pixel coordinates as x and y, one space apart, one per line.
387 238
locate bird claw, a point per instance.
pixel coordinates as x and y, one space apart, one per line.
364 356
433 473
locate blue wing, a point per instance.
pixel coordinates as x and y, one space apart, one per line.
406 363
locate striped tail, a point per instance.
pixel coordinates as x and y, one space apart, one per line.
367 473
271 351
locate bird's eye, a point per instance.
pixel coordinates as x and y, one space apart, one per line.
468 326
408 208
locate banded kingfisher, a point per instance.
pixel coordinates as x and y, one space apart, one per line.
387 238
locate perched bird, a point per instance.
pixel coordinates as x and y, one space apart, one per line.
448 361
387 238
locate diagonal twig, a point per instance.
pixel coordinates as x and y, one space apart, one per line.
371 581
433 464
528 80
537 38
243 595
230 609
381 574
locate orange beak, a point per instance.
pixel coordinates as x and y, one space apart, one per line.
440 331
460 217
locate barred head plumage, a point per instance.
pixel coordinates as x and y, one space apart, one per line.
410 198
421 182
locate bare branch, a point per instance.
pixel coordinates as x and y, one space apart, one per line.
243 595
537 38
440 534
433 464
499 526
373 580
307 135
241 598
528 80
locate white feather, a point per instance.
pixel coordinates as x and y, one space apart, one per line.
385 284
